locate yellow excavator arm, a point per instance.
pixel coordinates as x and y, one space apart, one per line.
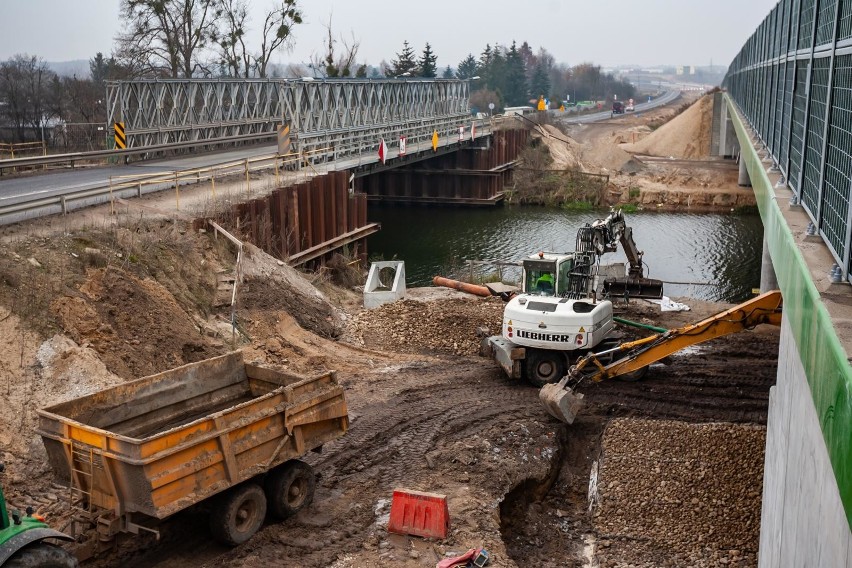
631 357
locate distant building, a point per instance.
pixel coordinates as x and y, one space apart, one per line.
679 70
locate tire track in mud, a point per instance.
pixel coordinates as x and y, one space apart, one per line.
423 409
400 437
385 447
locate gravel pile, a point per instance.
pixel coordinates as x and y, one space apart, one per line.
680 494
445 325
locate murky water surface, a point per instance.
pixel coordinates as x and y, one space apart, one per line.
719 254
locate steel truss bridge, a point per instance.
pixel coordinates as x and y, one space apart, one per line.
328 118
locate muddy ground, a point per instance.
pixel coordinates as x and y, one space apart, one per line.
662 472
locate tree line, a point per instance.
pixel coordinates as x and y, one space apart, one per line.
218 38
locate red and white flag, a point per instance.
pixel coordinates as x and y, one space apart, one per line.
383 151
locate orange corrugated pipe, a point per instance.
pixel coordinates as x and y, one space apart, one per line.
463 286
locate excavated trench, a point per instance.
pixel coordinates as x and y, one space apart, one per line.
543 520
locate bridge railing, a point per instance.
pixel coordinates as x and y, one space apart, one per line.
792 80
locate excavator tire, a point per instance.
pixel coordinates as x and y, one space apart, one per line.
543 367
636 375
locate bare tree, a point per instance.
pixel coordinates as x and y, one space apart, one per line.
25 88
277 31
234 57
338 63
167 37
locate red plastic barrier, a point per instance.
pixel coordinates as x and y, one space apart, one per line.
419 514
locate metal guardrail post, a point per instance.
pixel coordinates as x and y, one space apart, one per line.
177 193
827 117
807 116
277 176
248 182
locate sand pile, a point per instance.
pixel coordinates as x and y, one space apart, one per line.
564 150
685 136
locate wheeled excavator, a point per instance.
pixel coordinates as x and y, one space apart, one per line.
563 402
562 311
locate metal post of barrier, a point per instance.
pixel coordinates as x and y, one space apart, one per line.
177 193
248 183
213 183
277 177
111 198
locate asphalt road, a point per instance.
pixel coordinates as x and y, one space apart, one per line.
665 99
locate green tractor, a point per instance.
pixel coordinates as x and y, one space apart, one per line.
23 541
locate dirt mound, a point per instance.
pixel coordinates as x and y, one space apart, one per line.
564 150
272 285
135 325
609 157
685 136
676 488
410 326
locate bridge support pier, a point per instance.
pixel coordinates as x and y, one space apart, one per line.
768 280
744 180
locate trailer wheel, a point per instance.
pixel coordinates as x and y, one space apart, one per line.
238 514
42 555
543 367
290 488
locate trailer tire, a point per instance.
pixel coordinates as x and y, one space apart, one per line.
543 367
238 514
290 488
42 555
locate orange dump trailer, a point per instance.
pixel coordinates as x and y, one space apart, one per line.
219 430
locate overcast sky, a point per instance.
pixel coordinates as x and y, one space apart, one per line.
607 32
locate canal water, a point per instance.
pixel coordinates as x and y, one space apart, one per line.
715 256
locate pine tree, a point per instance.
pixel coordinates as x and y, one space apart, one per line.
496 74
467 68
448 73
516 78
483 69
428 62
540 83
404 62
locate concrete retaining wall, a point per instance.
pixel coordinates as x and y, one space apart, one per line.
803 522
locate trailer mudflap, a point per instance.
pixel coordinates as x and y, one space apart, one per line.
507 354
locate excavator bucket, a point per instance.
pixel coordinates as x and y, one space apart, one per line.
646 288
560 402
